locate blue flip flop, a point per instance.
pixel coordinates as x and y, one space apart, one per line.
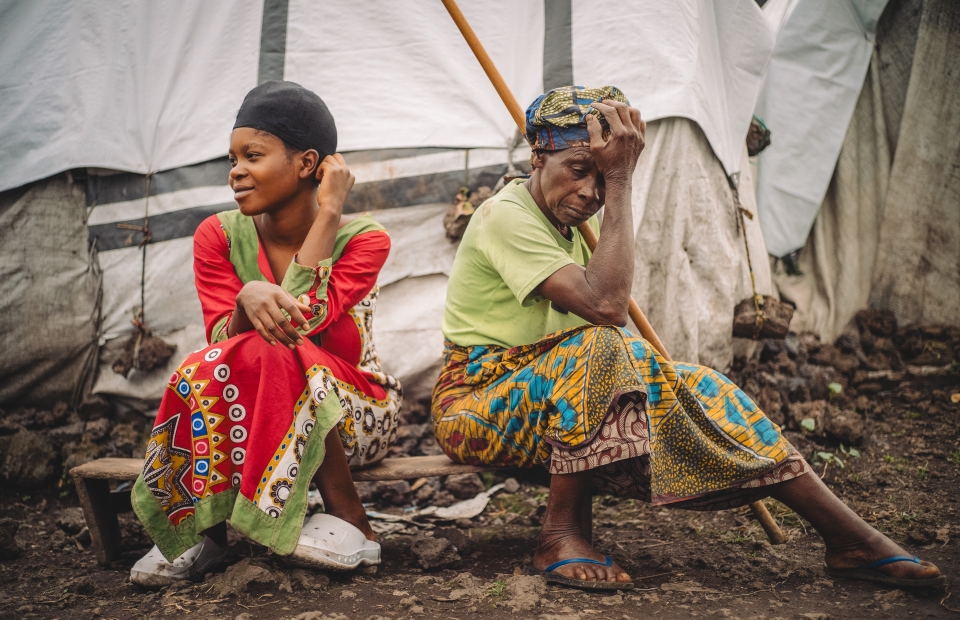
869 572
553 577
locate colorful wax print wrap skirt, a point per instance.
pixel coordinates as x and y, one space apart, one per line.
240 433
602 399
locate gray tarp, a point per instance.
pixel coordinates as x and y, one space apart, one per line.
691 267
49 309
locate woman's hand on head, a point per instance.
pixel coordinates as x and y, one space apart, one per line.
262 304
336 181
617 155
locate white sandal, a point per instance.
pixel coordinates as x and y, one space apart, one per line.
329 543
154 571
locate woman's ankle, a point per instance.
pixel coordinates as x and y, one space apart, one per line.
355 516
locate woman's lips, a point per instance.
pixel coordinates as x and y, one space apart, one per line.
581 215
241 192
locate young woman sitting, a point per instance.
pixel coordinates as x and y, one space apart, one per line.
290 389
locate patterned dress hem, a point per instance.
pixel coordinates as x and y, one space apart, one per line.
280 534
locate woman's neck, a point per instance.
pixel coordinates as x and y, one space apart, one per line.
287 226
533 186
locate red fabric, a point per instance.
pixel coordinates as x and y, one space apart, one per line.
351 279
252 389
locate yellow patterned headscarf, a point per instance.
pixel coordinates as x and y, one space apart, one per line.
557 119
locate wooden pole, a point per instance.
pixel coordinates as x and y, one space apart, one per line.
636 314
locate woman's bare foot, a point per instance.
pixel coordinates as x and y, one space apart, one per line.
558 546
851 542
563 533
335 483
874 548
356 518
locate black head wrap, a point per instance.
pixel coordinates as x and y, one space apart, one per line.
292 113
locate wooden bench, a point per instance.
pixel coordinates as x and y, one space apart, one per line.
101 505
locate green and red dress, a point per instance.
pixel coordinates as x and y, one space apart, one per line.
241 427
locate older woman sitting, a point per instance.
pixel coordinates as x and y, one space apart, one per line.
539 371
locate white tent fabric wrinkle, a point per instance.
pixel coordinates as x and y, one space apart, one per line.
692 58
175 71
399 74
807 101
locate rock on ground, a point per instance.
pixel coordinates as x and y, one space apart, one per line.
309 580
9 547
71 520
28 460
385 493
524 592
432 553
464 486
249 577
467 587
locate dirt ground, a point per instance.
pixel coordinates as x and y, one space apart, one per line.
905 481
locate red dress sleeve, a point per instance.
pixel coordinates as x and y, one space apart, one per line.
351 279
217 281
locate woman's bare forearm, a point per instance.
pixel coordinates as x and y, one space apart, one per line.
609 274
318 245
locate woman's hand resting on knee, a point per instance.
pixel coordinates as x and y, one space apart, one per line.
260 305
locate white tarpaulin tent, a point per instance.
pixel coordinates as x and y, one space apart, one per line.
815 75
698 59
136 88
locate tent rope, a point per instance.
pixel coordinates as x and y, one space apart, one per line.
757 297
138 314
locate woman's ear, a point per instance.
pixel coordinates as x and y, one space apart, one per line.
537 159
309 163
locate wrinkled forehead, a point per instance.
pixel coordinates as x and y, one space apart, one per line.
572 156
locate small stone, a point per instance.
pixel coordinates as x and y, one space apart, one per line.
9 547
433 553
463 524
524 592
510 485
97 429
443 498
308 580
244 616
348 594
424 494
464 486
75 454
69 432
125 437
250 577
410 601
71 520
385 493
845 426
28 462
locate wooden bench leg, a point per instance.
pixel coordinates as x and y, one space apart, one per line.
99 510
774 533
